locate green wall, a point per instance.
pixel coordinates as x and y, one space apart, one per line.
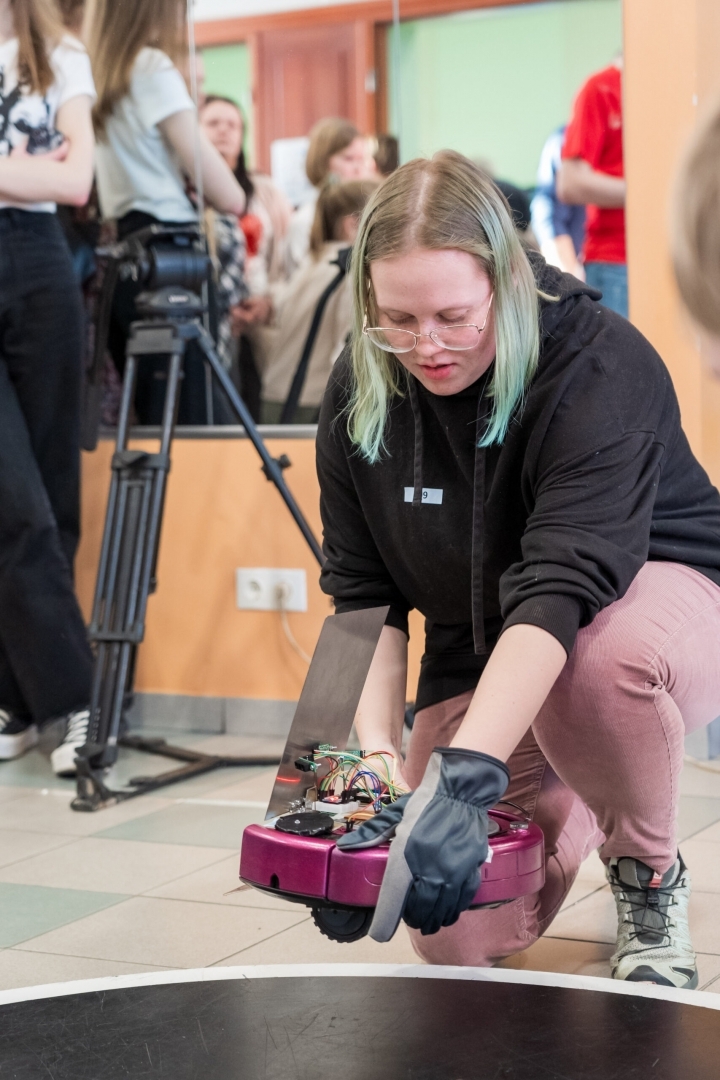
227 72
494 83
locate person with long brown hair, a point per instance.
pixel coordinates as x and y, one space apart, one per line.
46 153
293 388
148 141
265 225
145 119
336 149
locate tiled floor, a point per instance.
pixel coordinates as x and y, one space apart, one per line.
152 883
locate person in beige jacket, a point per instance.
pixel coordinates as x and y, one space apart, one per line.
337 215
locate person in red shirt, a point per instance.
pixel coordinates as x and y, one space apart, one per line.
592 174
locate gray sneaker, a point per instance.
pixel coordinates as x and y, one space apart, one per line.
653 942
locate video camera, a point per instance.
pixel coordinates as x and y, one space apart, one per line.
158 257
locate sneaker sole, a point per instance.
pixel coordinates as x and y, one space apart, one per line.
13 746
63 760
647 974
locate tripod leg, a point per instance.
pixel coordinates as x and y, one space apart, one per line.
209 408
169 421
271 467
127 573
130 546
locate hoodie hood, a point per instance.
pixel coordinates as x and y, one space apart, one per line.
553 282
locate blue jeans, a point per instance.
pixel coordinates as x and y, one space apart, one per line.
611 280
45 659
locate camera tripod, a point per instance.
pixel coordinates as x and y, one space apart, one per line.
128 555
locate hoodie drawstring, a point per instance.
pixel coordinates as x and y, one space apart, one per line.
478 513
478 543
418 454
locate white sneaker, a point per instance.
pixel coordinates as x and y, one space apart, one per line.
63 758
653 943
16 736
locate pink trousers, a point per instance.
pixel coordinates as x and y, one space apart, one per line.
601 763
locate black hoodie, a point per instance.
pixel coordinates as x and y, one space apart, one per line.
595 477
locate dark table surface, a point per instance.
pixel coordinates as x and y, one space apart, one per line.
310 1027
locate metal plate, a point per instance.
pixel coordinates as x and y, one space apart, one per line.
329 698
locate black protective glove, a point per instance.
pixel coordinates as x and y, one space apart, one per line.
378 829
433 868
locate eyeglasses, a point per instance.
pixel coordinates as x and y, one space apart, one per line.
456 338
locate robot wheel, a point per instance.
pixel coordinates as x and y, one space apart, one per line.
343 924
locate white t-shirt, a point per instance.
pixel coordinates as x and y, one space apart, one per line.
298 236
136 169
30 118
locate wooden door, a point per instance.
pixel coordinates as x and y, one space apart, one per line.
304 74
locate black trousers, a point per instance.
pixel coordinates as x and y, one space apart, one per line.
45 659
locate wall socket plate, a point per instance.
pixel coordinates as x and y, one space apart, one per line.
268 589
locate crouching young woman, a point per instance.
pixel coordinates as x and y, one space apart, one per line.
501 452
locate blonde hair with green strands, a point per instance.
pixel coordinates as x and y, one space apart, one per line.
442 203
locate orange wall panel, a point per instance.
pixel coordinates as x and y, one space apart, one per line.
658 116
221 513
671 70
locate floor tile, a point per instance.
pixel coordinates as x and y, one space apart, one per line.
175 738
711 835
32 770
704 925
590 958
703 861
18 968
593 870
12 792
564 956
257 788
51 813
211 826
591 919
581 889
29 910
696 813
304 943
242 746
168 933
697 781
708 972
595 919
116 866
218 884
206 783
133 763
15 846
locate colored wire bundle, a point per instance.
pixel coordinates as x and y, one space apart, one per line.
368 777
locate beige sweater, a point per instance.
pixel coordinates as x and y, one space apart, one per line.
294 309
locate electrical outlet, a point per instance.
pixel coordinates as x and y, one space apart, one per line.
268 589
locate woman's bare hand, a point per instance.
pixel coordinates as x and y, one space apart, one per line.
255 311
59 153
394 763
